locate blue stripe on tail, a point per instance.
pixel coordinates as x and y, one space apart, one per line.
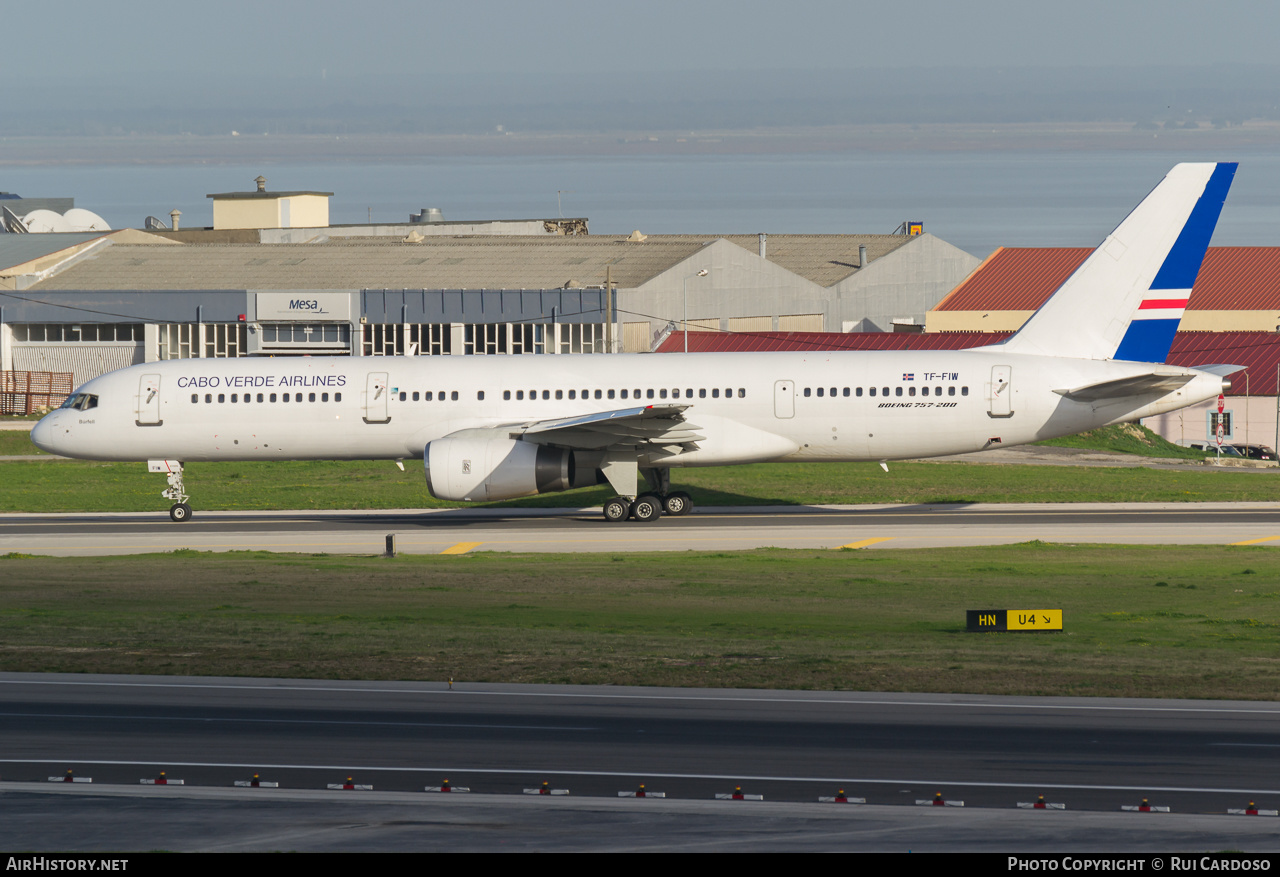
1147 340
1150 340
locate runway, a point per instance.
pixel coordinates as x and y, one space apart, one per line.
1092 755
461 531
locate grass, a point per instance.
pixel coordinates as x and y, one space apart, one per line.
1125 438
1165 621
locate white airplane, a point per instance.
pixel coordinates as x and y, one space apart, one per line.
498 427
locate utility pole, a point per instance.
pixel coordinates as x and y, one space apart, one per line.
608 309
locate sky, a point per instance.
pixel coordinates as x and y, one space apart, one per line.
572 38
148 56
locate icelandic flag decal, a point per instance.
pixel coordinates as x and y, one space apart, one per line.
908 376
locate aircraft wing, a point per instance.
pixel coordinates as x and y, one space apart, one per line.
647 424
1141 385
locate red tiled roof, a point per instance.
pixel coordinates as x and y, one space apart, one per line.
1015 279
1258 352
1021 278
748 342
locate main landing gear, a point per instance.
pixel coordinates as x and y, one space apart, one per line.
650 506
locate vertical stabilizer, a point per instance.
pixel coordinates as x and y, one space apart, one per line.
1126 300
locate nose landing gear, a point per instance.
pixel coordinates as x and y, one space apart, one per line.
179 512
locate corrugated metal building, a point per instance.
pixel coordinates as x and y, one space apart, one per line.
98 303
1238 290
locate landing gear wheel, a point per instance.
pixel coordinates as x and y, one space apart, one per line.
647 507
180 512
617 509
678 503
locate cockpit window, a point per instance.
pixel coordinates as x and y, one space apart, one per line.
81 401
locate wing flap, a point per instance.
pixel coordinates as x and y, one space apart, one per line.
650 424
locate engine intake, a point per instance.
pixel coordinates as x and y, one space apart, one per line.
478 466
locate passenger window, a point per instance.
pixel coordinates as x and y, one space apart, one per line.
688 394
858 393
559 394
480 395
208 397
611 394
873 391
221 398
662 394
297 397
311 397
273 397
897 391
573 394
702 393
846 392
884 391
416 396
742 393
635 394
911 391
806 392
951 391
648 394
924 391
426 395
260 398
324 397
454 395
937 391
833 392
403 396
337 397
964 391
546 394
821 391
195 397
235 397
715 392
598 394
506 395
519 395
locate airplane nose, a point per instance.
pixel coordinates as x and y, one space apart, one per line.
42 434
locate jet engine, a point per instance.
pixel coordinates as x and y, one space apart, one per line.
479 466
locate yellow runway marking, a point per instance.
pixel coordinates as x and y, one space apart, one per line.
866 543
1256 541
461 547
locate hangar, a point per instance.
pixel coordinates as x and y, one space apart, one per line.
86 304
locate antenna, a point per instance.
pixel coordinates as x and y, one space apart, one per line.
560 192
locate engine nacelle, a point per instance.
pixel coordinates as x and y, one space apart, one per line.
479 466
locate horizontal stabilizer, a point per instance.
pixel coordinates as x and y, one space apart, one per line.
1221 370
1155 384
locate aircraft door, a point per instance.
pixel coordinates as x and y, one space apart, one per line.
375 398
149 401
1000 391
784 399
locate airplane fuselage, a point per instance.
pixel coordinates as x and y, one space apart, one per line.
745 407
